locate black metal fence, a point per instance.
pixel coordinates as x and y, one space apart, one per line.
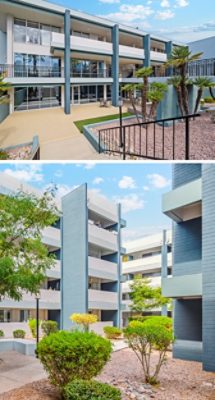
165 139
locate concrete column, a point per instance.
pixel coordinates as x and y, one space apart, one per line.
67 62
119 268
169 48
147 50
105 92
115 66
164 266
62 96
11 107
9 40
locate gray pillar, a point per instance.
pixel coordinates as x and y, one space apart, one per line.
208 266
147 50
67 62
115 66
164 267
169 49
119 268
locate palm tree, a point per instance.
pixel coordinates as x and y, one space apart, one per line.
4 87
155 95
176 82
144 73
211 93
129 88
180 58
202 83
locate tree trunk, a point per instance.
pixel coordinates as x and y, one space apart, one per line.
144 98
153 111
184 91
199 96
211 93
134 106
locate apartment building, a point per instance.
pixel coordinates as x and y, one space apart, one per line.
144 257
57 57
190 205
87 272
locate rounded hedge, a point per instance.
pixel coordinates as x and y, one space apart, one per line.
19 334
90 390
1 333
49 327
112 332
73 355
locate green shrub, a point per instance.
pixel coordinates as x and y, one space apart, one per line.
3 155
112 332
49 327
73 355
1 333
209 100
143 337
90 390
32 323
19 334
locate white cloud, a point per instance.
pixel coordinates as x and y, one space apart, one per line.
146 188
130 202
165 3
128 14
163 15
109 1
27 173
182 3
188 34
141 231
89 165
127 182
62 190
97 180
158 181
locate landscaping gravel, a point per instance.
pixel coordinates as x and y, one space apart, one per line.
179 380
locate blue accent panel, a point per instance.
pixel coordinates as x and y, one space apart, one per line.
187 239
188 320
147 50
208 265
185 173
110 286
4 111
75 254
188 350
110 315
54 315
169 48
3 47
115 66
67 61
111 257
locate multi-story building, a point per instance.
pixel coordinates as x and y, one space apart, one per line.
143 257
53 56
87 272
190 204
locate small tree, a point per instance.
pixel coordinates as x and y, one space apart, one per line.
144 73
155 95
143 338
85 320
24 259
129 88
176 82
145 297
32 323
49 327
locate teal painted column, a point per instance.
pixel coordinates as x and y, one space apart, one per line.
115 66
164 267
147 50
169 49
67 107
119 268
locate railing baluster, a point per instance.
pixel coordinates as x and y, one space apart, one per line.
173 140
154 137
163 134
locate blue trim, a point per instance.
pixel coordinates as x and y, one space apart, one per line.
87 250
67 63
115 66
147 49
169 49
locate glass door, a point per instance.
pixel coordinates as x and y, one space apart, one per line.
76 94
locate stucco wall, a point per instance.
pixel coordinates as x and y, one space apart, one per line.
207 46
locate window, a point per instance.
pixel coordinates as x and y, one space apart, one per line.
19 31
33 34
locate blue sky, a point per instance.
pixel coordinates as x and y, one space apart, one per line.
139 187
183 20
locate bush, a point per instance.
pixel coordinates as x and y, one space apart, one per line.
73 355
32 323
112 332
3 155
143 337
209 100
84 319
19 334
1 333
158 320
49 327
90 390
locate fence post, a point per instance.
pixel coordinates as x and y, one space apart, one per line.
187 138
124 144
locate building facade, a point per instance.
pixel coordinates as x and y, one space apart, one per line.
190 205
55 57
144 257
86 277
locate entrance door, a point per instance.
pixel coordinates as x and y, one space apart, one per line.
76 94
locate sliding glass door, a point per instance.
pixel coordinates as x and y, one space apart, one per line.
35 97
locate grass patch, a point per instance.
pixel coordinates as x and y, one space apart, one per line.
80 124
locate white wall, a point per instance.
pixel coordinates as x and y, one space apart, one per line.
205 45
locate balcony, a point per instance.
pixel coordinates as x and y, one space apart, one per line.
158 56
52 237
146 264
103 269
49 300
131 52
102 300
182 286
55 272
184 202
103 207
154 281
102 238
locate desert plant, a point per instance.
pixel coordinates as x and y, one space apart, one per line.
32 323
129 88
142 338
1 333
90 390
73 355
3 155
85 320
49 327
144 73
19 334
112 332
202 83
156 95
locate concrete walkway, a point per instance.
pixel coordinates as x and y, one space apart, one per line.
59 137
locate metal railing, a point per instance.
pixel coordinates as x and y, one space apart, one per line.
164 139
